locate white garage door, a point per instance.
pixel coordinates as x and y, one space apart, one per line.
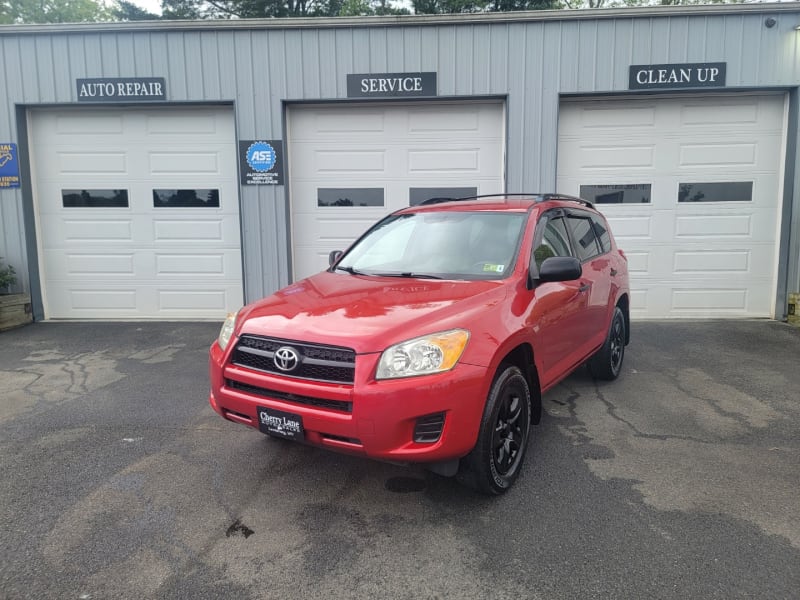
137 212
692 188
350 165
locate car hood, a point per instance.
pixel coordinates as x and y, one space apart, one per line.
368 313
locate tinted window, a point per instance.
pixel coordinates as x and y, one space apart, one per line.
350 197
419 195
186 198
602 233
555 241
725 191
584 236
94 198
623 193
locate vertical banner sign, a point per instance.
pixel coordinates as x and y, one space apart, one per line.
9 166
261 162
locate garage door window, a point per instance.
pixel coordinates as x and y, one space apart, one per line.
349 196
94 198
623 193
723 191
186 198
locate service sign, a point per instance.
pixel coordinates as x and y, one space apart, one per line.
261 162
676 76
9 166
391 85
122 89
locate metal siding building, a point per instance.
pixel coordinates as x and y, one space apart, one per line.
523 73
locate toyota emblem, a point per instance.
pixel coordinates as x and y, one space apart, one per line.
286 358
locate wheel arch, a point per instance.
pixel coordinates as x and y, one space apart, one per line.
522 357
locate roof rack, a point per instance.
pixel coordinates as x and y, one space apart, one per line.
538 197
568 198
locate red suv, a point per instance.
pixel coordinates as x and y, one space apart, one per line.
433 337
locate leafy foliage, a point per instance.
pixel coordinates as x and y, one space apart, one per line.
8 276
480 6
53 11
128 11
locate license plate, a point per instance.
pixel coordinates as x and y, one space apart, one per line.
281 424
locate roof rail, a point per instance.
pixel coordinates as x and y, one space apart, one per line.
439 200
537 197
568 198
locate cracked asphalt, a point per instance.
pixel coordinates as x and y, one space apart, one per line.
679 480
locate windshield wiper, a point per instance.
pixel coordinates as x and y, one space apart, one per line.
351 270
410 275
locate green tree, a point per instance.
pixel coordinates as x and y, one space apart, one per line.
128 11
478 6
53 11
260 9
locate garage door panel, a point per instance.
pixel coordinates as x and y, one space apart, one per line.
393 149
157 256
333 229
705 239
183 162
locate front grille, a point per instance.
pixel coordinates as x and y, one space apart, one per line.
316 362
293 398
428 429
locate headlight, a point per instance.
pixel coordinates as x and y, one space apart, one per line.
423 355
226 332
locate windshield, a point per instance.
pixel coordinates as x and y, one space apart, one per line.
446 245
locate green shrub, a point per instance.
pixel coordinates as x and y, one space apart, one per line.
7 276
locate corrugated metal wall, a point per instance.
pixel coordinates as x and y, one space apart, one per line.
530 61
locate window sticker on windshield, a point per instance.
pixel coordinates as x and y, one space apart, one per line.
493 268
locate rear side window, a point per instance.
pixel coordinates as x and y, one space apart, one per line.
583 233
601 232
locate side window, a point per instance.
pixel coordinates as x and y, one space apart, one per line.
584 235
555 241
602 233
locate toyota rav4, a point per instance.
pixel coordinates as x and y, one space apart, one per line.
433 337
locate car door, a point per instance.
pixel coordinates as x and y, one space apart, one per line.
558 313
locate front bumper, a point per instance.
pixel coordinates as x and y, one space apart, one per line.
382 417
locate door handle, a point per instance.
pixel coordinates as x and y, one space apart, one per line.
584 287
613 272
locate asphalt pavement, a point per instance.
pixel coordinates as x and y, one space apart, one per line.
117 480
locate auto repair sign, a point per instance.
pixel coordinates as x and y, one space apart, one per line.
9 166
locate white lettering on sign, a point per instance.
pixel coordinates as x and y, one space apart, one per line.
281 423
665 76
382 85
708 74
88 89
679 75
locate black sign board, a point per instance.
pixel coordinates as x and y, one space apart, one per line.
261 162
674 76
122 89
391 85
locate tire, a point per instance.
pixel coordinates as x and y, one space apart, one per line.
495 461
606 364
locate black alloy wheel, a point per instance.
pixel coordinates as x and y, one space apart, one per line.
496 460
508 431
607 362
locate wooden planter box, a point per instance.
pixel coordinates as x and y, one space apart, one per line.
15 310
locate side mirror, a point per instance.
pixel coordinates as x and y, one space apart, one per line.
560 268
334 256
